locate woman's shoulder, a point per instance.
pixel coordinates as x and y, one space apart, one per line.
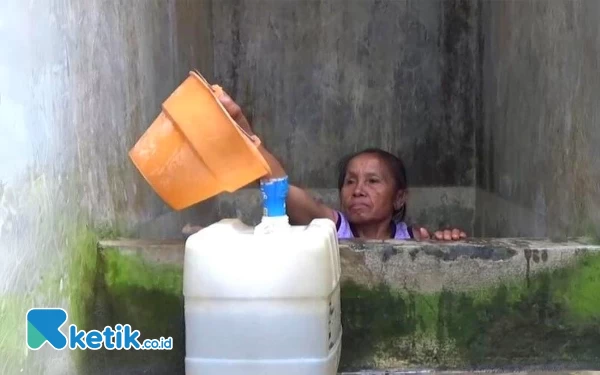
401 230
343 226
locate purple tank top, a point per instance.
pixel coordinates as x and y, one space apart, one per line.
400 230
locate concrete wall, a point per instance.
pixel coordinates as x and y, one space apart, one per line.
79 83
502 304
538 144
324 78
321 79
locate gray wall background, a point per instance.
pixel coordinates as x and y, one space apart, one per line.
538 143
321 79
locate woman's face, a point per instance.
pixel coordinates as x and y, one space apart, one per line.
369 193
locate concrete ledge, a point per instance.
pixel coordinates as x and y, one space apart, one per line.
419 266
478 304
427 267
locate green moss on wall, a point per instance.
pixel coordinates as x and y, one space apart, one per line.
12 340
578 291
68 284
553 317
125 289
131 271
82 252
82 249
147 296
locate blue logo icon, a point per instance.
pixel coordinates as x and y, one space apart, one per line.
43 325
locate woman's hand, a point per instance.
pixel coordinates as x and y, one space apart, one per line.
235 112
233 109
455 234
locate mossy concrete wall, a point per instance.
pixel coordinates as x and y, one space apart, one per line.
481 304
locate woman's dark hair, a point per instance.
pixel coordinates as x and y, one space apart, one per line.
395 165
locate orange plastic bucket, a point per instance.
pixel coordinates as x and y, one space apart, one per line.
194 150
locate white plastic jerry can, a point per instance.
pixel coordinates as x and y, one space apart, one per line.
263 300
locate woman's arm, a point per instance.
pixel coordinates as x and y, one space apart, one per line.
301 207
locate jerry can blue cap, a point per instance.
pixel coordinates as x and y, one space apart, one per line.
274 194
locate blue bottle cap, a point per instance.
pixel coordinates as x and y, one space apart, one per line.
274 193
